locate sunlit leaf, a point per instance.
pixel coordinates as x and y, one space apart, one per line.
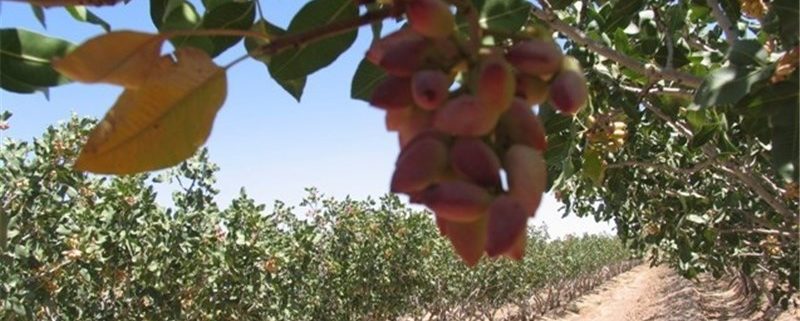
230 15
747 52
38 12
184 18
621 13
80 13
266 28
594 166
786 138
25 60
703 136
296 63
161 9
125 58
295 86
367 76
172 15
728 84
504 15
161 123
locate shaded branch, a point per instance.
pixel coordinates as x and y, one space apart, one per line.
759 231
733 170
665 91
751 182
695 43
723 21
670 169
652 72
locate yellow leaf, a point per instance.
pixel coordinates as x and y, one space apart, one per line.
163 122
123 58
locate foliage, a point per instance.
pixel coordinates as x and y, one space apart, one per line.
703 176
704 173
87 247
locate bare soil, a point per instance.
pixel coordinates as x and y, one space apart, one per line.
659 294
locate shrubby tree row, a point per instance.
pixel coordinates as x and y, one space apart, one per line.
87 247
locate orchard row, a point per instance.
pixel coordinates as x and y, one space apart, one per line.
95 248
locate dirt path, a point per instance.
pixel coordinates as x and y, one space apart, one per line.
641 294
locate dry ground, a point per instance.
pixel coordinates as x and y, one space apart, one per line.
658 294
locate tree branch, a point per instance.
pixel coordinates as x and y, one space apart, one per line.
734 170
723 21
695 43
751 182
759 231
680 127
326 31
652 72
666 91
684 171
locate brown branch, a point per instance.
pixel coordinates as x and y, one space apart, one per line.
759 231
680 127
751 182
326 31
736 171
215 32
666 168
723 21
652 72
749 254
665 91
695 42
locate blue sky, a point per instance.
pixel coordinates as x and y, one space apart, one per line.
262 139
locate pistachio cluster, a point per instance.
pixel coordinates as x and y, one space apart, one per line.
753 8
458 138
605 133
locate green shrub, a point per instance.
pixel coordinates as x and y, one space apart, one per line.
88 247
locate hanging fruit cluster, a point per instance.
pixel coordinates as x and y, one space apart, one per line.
458 140
753 8
606 133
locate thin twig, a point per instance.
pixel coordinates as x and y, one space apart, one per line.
759 231
723 21
695 42
652 72
665 91
216 32
646 90
680 127
297 39
666 168
667 37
